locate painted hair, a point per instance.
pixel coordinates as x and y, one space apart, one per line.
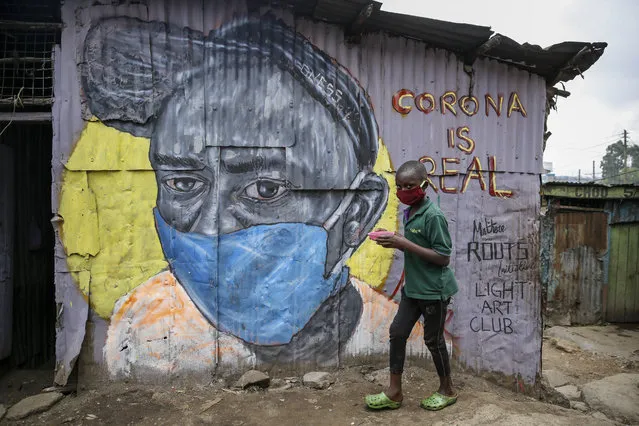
132 67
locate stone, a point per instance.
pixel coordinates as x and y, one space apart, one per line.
209 404
276 383
599 415
3 411
253 378
207 419
579 406
565 346
493 414
571 392
33 405
281 388
550 395
381 377
556 378
615 396
609 340
318 380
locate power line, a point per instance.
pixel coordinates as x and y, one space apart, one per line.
620 174
610 141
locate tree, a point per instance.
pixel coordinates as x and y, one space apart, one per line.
633 154
612 161
613 167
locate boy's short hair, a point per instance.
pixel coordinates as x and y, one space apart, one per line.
413 168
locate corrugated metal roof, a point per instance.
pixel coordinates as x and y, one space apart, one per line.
559 62
568 180
588 183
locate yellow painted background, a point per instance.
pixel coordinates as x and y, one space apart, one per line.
108 194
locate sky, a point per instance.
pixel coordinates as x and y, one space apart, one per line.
602 104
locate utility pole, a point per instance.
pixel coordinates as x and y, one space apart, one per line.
579 178
593 171
625 149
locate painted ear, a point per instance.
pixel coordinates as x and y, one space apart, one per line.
365 210
131 66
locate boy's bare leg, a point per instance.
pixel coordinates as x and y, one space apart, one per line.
394 391
446 386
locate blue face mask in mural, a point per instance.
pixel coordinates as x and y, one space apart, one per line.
261 284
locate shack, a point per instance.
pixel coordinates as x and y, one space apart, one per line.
590 253
217 165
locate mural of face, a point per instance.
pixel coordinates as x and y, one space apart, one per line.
263 150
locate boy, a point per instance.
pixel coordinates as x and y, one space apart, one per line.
429 285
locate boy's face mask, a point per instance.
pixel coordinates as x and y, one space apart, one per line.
261 284
412 196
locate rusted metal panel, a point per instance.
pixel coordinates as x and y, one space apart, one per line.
514 141
623 211
623 287
576 283
559 62
7 206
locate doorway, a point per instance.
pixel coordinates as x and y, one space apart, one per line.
26 247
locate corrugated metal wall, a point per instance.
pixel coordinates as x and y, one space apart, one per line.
580 245
488 187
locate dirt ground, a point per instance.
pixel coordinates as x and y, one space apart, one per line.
480 401
585 367
342 404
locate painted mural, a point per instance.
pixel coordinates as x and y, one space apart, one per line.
259 204
216 200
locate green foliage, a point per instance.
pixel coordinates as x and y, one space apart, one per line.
613 168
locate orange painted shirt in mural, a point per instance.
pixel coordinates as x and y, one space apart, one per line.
157 329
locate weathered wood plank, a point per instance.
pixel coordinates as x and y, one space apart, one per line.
631 313
613 276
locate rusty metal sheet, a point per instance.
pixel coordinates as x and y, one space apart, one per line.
559 62
576 283
407 72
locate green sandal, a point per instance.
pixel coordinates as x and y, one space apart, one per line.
437 401
381 401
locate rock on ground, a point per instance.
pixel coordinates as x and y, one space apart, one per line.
556 378
600 416
318 380
571 392
381 377
253 378
579 406
615 396
603 340
3 411
33 405
491 414
565 345
550 395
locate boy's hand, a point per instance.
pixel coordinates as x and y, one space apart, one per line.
395 241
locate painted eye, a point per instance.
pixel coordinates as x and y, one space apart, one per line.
266 190
184 184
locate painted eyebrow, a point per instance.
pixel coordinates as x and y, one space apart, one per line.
182 163
243 164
